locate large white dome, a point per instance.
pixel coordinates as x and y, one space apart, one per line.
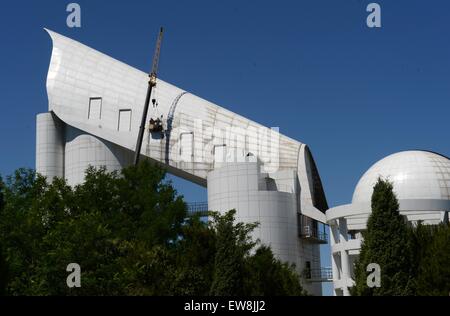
415 174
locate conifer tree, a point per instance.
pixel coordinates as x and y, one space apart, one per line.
387 243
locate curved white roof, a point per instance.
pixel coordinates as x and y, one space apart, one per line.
415 174
79 75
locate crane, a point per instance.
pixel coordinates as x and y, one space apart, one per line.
151 84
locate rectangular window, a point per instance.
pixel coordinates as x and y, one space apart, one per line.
124 121
95 109
186 143
219 153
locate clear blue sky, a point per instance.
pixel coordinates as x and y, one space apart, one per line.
311 67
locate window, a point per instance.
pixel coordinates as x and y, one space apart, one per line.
219 153
308 273
95 109
124 121
186 143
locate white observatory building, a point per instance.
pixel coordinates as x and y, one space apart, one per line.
421 181
95 105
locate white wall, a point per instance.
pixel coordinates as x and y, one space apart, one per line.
83 150
49 146
239 186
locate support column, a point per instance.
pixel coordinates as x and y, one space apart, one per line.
334 239
343 237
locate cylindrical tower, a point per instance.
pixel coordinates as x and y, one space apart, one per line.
269 199
49 145
83 150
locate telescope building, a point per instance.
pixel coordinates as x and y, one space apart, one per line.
421 181
95 105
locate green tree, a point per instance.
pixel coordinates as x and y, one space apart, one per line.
22 229
3 273
267 276
2 197
433 273
387 243
120 230
233 242
100 225
3 267
194 262
130 234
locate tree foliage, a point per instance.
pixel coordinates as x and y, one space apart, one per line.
414 260
386 243
267 276
3 269
433 257
232 245
130 234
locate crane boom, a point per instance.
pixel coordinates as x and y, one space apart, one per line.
151 84
156 55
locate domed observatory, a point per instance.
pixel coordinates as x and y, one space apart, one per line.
421 181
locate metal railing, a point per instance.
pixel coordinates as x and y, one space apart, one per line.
308 233
324 274
197 208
